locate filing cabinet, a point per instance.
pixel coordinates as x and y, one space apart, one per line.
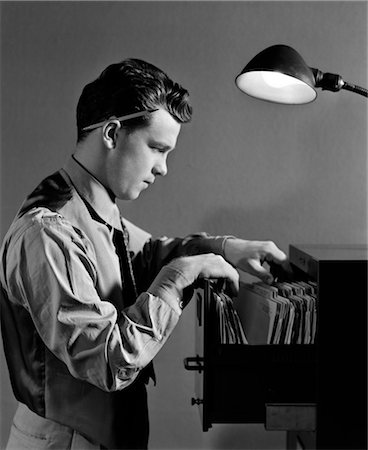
319 388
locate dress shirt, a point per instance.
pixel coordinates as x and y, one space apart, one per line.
63 300
71 286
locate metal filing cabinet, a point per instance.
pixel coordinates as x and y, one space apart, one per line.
317 392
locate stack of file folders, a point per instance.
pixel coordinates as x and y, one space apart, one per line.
230 328
282 313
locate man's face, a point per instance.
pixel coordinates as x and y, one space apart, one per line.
139 156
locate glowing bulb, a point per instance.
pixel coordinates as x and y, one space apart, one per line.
278 80
275 87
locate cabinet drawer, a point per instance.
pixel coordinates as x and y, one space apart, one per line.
234 382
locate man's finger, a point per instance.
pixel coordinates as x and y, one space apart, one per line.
255 268
276 255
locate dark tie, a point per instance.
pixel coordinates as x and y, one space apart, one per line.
121 243
129 288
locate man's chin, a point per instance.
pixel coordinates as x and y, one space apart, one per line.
131 195
128 196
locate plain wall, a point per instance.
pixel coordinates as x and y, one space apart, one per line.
293 174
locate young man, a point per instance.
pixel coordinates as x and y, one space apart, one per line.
82 316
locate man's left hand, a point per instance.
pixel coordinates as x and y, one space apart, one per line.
249 256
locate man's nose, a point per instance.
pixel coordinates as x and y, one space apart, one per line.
160 168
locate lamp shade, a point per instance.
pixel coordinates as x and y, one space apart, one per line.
278 74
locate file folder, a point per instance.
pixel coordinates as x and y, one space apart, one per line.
230 328
282 313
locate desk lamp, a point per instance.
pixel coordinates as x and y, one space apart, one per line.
279 74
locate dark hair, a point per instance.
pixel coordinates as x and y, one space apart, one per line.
130 86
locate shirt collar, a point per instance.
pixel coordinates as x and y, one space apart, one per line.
92 191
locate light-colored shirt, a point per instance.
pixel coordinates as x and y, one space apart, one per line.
60 264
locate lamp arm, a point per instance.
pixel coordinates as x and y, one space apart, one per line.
357 89
333 82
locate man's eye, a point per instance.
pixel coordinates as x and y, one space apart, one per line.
158 149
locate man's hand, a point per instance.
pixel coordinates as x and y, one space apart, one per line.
206 265
249 256
182 272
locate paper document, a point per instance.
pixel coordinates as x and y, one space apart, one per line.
283 313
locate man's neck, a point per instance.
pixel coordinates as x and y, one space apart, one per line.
92 160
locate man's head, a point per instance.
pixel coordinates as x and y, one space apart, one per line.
127 153
128 87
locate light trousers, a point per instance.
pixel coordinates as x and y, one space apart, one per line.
30 431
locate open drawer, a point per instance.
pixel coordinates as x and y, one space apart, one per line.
236 382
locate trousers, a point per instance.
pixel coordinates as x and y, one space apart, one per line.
31 431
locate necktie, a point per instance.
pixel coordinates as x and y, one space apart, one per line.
129 288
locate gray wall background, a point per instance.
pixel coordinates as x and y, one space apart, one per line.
293 174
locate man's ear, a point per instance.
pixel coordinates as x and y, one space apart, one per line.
110 133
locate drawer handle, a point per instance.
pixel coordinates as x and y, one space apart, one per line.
194 363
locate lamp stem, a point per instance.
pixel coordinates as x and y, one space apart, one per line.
333 82
355 88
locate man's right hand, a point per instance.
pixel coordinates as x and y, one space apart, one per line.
182 272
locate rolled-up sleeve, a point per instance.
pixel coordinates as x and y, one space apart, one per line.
51 271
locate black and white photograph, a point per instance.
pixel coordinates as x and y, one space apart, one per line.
183 234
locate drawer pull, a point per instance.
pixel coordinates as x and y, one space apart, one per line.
197 401
194 363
